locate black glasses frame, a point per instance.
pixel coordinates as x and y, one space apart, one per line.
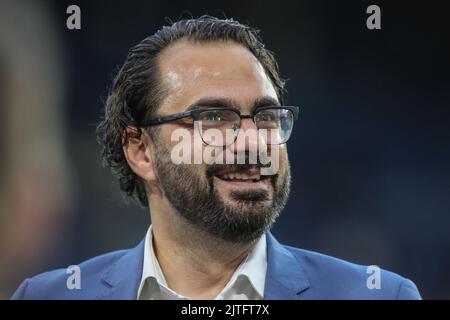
195 114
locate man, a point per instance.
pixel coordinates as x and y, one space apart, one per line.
212 80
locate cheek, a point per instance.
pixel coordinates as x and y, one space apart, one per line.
197 145
182 145
283 157
277 157
284 165
199 152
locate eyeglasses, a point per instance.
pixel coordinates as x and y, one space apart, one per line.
274 122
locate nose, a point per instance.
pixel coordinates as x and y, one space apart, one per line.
248 140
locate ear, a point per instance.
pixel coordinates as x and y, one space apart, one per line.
137 152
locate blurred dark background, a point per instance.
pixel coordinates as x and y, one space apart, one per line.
370 155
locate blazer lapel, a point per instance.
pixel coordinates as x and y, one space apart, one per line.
122 279
285 279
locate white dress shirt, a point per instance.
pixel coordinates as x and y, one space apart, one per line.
246 283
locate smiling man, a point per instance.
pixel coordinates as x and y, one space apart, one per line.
209 237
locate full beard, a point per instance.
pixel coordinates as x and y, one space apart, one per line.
198 202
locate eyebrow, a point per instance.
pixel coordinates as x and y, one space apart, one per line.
211 102
264 102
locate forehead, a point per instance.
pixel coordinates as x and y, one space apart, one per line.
193 71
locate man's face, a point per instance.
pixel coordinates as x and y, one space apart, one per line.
226 201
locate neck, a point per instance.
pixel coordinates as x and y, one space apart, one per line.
195 264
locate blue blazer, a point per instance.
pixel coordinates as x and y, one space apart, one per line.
292 274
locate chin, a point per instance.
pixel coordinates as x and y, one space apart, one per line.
249 207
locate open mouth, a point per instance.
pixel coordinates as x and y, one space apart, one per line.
252 174
242 177
245 184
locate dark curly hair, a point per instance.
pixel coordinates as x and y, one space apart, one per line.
137 90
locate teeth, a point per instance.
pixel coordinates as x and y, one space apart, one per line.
241 176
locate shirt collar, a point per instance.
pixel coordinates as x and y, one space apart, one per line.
252 269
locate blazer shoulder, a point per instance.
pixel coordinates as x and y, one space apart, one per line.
339 279
54 284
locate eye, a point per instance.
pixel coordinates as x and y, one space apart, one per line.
266 116
219 118
214 116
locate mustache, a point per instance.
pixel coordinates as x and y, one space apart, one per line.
215 168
